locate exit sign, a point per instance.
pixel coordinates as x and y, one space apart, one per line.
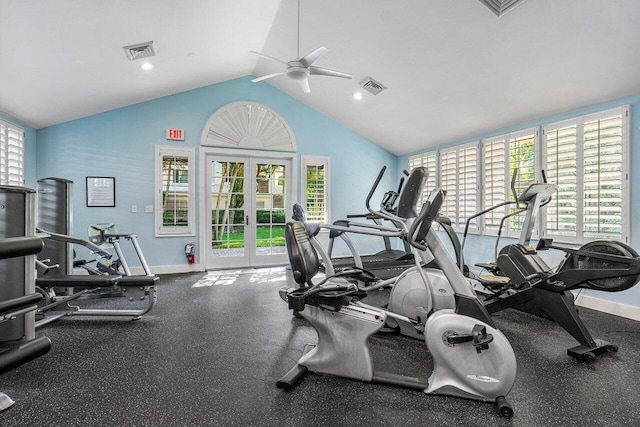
175 134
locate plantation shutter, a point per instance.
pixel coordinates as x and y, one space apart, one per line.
522 158
561 144
495 182
459 178
585 158
468 186
11 154
448 183
603 177
316 192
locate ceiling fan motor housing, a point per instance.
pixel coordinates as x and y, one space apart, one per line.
297 71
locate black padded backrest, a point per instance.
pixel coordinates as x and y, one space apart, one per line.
411 192
302 255
298 213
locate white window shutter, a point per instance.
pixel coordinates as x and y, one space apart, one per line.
495 182
11 154
603 178
561 143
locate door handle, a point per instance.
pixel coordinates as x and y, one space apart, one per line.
246 220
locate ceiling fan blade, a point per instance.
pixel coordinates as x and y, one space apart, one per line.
311 57
269 57
268 76
304 85
318 71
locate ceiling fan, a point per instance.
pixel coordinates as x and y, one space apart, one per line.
301 68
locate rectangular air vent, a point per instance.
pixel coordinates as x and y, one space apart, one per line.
500 7
139 50
372 86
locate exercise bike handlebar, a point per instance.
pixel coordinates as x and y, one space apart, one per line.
373 190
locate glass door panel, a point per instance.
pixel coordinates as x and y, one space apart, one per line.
227 209
270 212
247 199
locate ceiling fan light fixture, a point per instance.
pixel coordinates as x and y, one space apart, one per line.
301 68
297 72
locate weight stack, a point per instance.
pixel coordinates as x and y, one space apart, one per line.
17 275
55 214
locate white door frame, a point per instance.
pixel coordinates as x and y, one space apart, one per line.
204 210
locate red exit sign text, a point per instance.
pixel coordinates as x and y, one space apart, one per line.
176 134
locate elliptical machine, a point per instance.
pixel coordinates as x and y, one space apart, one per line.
521 279
472 358
420 287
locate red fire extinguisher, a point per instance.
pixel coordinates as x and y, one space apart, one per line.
190 252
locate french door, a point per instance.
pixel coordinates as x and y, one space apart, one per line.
246 201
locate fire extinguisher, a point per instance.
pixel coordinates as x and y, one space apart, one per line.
190 252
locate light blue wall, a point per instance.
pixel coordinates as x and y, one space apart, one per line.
480 248
121 143
29 151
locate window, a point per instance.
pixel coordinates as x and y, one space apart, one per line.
587 158
503 156
459 178
522 162
175 191
315 184
11 154
457 174
496 172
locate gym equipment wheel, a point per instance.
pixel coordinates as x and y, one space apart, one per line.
612 348
588 357
504 408
613 284
48 296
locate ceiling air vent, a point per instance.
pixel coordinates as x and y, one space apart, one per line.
500 7
372 86
139 50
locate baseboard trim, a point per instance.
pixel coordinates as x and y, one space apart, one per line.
169 269
610 307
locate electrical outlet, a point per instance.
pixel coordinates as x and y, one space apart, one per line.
134 208
148 209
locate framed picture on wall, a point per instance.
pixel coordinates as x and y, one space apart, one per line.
101 191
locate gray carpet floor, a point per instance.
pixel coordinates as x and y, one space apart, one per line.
211 350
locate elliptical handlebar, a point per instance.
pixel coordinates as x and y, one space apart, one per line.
421 226
382 213
513 187
373 189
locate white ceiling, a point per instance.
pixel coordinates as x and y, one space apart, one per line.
453 69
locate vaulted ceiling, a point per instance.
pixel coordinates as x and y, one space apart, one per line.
453 69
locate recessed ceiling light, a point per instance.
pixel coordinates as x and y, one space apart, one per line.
357 95
146 66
